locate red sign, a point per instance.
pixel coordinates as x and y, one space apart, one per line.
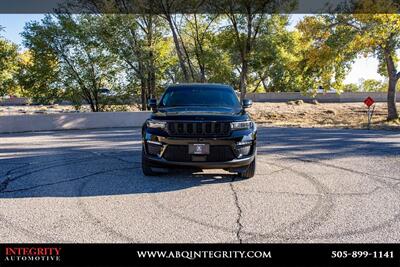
369 101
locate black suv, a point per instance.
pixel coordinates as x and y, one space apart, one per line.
201 126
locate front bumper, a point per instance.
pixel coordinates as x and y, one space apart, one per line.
212 161
236 163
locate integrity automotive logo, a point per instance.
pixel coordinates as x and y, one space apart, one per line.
32 254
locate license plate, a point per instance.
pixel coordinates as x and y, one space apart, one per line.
199 149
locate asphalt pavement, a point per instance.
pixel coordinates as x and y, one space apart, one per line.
311 185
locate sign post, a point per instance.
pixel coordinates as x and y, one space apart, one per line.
369 102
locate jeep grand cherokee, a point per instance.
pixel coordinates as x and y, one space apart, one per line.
201 126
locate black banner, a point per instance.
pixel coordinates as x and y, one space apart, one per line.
200 255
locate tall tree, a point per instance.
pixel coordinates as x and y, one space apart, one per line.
137 40
168 8
39 77
247 19
85 67
274 63
198 35
8 65
325 57
338 39
372 85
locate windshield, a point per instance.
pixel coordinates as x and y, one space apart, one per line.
199 96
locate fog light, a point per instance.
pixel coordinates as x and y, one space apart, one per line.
243 149
154 148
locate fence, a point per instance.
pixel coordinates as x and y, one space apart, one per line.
50 122
14 101
271 97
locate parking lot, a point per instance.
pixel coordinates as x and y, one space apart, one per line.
312 185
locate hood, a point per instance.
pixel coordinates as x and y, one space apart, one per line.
198 112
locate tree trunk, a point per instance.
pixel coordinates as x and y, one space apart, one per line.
151 76
96 100
199 51
243 79
202 74
178 49
143 93
393 78
152 79
143 87
91 103
391 99
151 72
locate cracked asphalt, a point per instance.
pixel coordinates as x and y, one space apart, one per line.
311 185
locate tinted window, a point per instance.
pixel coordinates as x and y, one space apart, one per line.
199 96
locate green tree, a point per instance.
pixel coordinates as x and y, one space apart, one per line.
246 27
198 36
167 8
38 77
8 66
84 66
372 85
275 58
138 42
351 87
336 40
325 56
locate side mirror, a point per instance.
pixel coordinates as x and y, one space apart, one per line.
152 104
246 103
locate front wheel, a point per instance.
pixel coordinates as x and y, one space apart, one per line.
249 171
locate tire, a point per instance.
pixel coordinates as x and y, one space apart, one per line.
146 167
249 171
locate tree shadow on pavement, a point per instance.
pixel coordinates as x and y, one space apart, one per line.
80 170
107 162
322 143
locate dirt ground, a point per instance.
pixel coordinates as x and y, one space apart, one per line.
292 113
343 115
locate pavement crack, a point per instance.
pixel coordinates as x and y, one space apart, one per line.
4 184
61 182
239 213
7 180
314 194
320 161
114 157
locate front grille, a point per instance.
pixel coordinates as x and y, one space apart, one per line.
177 153
180 153
199 128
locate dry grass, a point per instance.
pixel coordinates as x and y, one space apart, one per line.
342 115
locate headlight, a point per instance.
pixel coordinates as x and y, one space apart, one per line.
156 124
237 125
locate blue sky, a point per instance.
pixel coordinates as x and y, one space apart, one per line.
14 25
363 68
